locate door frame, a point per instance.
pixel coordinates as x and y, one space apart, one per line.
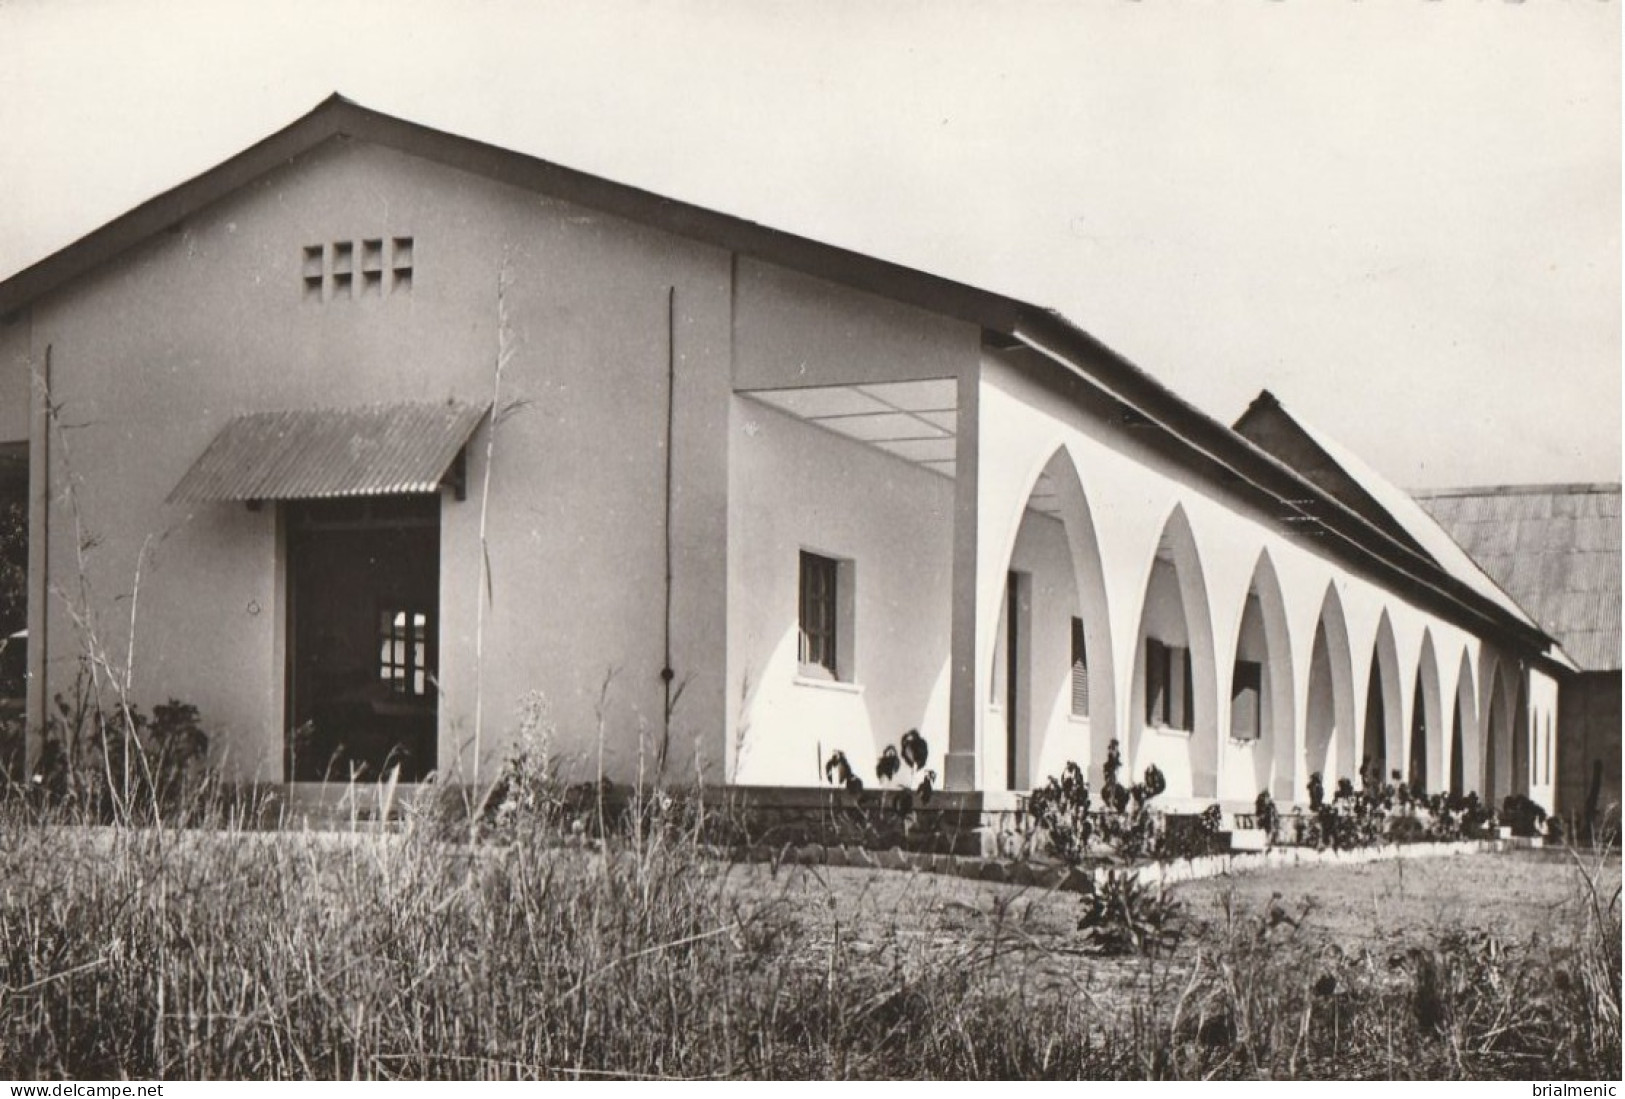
290 526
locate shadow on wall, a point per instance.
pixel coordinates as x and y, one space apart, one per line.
789 724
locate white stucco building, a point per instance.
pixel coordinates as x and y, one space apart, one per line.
783 499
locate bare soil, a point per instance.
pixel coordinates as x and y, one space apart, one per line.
1029 936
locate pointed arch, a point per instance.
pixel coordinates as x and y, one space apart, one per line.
1426 755
1465 756
1329 703
1261 691
1173 718
1518 772
1384 729
1054 491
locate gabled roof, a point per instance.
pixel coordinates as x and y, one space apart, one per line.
336 116
1555 549
1271 427
1346 476
1194 437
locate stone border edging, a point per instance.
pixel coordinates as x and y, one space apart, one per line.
1074 879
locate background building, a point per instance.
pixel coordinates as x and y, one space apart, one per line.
1556 550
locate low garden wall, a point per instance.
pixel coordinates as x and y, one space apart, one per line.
1078 879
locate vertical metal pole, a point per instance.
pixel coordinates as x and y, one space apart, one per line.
666 672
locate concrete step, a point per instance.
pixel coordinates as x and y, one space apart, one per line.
331 805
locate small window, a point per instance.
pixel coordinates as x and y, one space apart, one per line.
343 268
334 271
404 663
1080 670
1157 656
1169 701
1246 700
313 271
820 626
372 268
401 249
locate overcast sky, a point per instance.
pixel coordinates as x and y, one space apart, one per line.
1400 216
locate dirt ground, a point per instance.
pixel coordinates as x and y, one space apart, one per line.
1030 935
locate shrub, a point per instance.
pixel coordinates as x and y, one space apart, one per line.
1523 814
1211 820
1317 791
117 762
1406 829
1125 822
838 771
1267 816
1455 816
1349 821
1061 808
1386 812
1129 827
1353 818
1478 821
912 752
1123 915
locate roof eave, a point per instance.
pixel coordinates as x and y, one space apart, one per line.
992 312
129 229
336 116
1167 410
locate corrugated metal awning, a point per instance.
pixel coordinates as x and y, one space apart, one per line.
314 453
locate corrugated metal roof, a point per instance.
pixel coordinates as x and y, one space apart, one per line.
314 453
1555 549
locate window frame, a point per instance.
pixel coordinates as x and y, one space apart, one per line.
1080 670
1158 666
1173 705
1254 670
1187 686
409 637
819 650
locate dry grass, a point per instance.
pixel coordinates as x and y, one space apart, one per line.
205 954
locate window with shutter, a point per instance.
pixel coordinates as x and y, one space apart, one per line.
818 614
1246 700
1182 706
1187 697
1156 682
1080 671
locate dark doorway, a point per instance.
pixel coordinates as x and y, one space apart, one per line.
1374 752
1419 738
1456 750
363 627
